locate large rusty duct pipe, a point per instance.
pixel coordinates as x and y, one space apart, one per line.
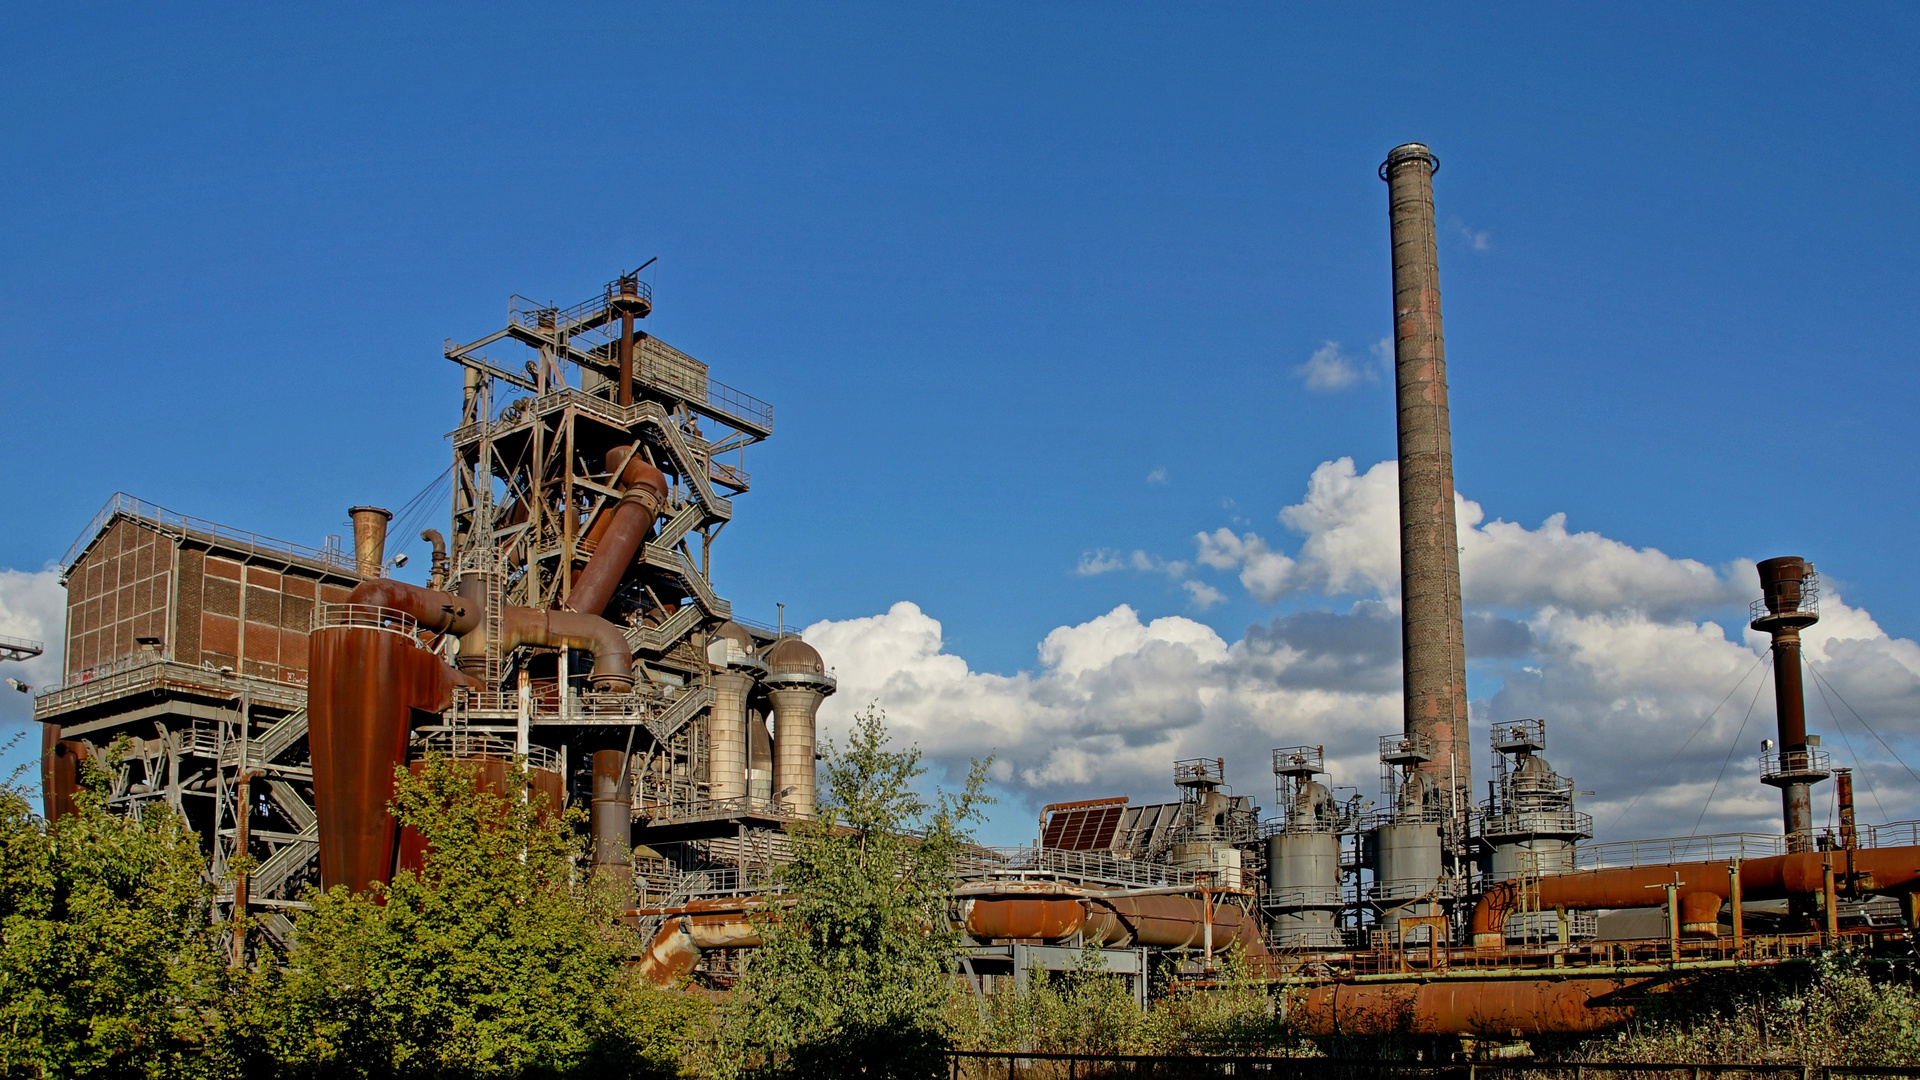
369 540
432 609
643 492
1433 645
1701 886
612 654
612 821
1783 588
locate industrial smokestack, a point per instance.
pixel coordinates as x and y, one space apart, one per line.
369 540
1433 648
1790 598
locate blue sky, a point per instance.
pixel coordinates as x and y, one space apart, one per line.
1024 283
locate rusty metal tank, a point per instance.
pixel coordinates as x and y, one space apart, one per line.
369 674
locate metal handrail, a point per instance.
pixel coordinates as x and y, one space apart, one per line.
123 503
1002 863
1807 762
467 744
365 617
1678 849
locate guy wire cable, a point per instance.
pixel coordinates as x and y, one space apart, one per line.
1731 747
1763 658
1872 792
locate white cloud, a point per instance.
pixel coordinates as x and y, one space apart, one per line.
33 606
1204 595
1103 561
1478 240
1350 524
1157 476
1329 370
1653 699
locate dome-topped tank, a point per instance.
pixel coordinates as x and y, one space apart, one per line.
791 656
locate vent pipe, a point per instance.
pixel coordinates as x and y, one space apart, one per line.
1790 603
369 540
1433 647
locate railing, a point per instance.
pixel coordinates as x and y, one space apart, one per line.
365 617
1789 764
1679 849
1021 863
139 671
24 645
1405 747
1535 822
1892 834
466 744
123 503
1306 896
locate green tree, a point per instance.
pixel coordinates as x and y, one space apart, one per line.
109 962
854 974
494 959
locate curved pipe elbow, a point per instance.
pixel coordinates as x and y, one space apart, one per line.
435 610
612 656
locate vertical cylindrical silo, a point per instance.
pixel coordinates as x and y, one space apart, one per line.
796 682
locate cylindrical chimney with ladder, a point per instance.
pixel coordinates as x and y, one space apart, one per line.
1433 649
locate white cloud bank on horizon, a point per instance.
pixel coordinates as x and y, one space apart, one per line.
1615 646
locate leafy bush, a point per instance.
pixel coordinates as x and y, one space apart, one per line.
109 962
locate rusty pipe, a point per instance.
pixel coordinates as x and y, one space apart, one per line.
612 814
369 540
437 577
1493 1007
1433 643
1784 587
432 609
612 655
643 492
1893 871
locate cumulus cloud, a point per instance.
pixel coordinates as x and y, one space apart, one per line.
32 606
1329 370
1655 693
1349 523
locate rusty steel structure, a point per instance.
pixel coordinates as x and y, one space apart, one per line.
570 642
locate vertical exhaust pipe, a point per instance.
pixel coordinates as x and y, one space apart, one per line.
1433 646
1788 598
369 540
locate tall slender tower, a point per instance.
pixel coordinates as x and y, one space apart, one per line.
1433 648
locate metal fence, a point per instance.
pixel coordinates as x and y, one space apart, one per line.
1017 1065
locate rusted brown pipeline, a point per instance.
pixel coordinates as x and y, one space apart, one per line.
431 608
1497 1007
612 655
721 923
1168 922
643 492
437 575
1702 887
612 814
59 772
